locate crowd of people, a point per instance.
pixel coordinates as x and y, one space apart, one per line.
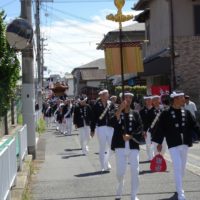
163 122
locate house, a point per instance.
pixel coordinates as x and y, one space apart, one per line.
130 34
88 78
172 53
69 80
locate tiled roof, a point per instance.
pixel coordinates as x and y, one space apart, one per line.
99 63
134 32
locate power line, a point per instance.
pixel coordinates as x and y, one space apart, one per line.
75 16
75 25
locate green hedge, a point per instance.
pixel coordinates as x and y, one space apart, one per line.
137 90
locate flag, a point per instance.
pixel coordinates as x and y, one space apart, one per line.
132 58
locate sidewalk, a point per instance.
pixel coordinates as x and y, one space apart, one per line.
65 174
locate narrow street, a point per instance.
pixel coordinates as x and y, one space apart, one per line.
64 173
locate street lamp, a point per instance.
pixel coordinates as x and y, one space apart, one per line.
119 17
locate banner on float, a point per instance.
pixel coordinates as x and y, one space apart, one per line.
132 59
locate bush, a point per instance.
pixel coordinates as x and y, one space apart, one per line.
137 90
41 126
20 119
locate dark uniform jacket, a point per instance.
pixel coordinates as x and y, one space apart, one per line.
67 109
177 126
129 123
48 112
59 116
98 110
145 116
82 114
153 112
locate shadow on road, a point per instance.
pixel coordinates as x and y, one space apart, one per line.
92 174
72 156
174 197
78 149
144 162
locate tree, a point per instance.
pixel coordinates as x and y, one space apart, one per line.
9 69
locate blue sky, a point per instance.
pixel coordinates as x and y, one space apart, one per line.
71 29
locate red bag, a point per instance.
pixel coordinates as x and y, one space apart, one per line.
158 164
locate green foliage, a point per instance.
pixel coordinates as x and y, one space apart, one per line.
9 69
20 119
137 90
41 126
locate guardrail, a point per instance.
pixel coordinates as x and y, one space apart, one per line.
10 148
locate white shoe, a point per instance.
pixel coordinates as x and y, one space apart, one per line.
136 198
108 168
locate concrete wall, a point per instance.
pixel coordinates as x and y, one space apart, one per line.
70 91
187 65
93 83
184 17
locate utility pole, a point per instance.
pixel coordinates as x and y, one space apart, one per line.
28 89
42 60
172 49
38 57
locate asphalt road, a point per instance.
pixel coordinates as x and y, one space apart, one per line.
65 174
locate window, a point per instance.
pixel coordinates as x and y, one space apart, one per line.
197 19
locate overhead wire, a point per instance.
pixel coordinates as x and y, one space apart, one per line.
77 17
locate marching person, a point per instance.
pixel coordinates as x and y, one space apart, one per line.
176 125
154 115
55 111
82 121
113 99
144 113
125 142
191 106
59 118
101 123
67 118
48 114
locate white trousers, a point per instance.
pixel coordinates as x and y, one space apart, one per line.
149 146
104 135
123 156
164 147
48 121
68 127
84 134
179 158
62 127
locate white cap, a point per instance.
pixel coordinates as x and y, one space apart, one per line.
103 92
155 96
113 96
147 97
126 94
176 94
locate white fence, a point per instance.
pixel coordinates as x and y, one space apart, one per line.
22 135
8 160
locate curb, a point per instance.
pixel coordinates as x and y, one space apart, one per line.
22 179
